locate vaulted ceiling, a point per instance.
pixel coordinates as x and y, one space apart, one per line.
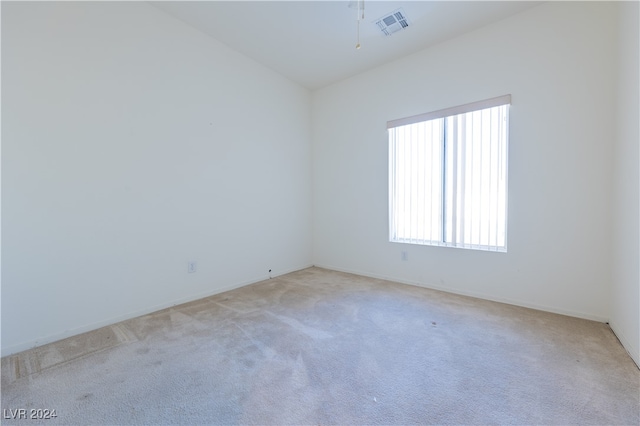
313 42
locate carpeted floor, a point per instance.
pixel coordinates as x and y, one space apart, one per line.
323 347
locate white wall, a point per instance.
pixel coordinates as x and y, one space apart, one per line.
126 153
557 61
132 144
625 307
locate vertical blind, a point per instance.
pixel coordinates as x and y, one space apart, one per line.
448 176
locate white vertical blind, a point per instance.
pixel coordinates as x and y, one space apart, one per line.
416 181
448 179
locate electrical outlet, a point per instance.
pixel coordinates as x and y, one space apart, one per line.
192 266
404 256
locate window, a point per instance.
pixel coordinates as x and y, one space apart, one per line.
448 177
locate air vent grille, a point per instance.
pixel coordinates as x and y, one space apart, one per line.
393 22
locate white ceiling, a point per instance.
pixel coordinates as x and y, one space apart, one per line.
313 42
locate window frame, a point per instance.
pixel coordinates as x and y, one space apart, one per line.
445 114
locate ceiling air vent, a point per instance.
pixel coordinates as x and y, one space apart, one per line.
393 22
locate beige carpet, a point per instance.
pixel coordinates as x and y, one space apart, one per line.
323 347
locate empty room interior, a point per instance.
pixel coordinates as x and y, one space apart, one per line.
229 213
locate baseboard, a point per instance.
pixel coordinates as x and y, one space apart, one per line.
30 344
635 356
477 295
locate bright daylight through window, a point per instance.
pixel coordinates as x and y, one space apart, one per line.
448 177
